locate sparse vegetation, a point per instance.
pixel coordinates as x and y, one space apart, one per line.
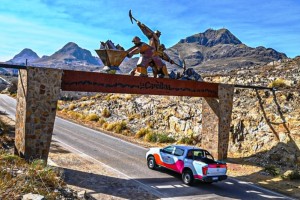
58 107
101 121
133 116
150 137
17 178
107 97
84 98
105 113
295 175
92 117
75 115
186 140
272 170
278 83
164 138
142 132
117 127
72 106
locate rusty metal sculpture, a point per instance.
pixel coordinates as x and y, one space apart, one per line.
153 36
111 56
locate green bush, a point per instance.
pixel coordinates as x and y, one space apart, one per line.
295 175
150 137
186 140
272 170
164 138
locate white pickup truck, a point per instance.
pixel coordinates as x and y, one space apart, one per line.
193 163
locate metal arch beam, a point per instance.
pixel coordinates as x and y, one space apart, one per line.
4 65
112 83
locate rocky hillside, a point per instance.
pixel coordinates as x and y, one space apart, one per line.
265 123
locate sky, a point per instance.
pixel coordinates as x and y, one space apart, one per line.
45 26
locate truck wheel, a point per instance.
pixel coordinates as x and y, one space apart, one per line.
187 177
151 162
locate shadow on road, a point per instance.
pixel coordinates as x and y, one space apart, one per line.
124 188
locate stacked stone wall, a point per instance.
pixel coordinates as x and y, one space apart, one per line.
216 119
38 92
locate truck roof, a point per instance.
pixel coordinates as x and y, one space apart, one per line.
185 147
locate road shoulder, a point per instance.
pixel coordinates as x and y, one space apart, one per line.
98 180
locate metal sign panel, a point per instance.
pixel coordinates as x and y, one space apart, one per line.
113 83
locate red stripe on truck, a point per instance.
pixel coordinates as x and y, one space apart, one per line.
217 166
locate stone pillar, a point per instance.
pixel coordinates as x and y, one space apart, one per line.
216 119
38 92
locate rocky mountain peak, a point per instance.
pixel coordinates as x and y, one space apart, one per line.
70 46
212 37
23 55
72 52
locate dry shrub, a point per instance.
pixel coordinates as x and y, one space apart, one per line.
84 98
150 137
142 132
101 121
128 97
75 115
117 127
58 107
105 125
133 116
107 97
92 117
17 178
72 106
106 113
278 83
83 104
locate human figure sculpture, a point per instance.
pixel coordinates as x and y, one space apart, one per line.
154 42
148 57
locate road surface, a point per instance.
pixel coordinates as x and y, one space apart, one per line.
129 159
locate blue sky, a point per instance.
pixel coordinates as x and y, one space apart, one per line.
45 26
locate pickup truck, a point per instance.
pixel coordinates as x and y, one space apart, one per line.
192 162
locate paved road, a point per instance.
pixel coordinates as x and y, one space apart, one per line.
129 159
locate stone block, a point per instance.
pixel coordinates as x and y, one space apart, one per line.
216 119
38 92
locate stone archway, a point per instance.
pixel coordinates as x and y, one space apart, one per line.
39 88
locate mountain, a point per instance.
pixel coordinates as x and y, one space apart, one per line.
216 50
21 57
211 38
211 51
70 56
